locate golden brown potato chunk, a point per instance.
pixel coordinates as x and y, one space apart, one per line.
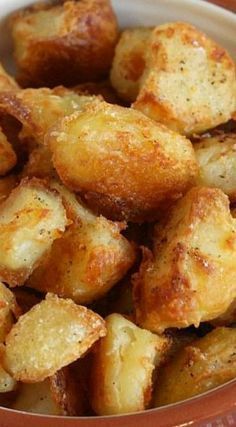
189 83
8 310
53 334
6 186
108 152
92 252
7 155
217 162
200 366
123 365
38 109
31 218
67 43
190 277
129 62
36 398
6 81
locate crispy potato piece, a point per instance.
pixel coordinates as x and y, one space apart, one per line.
66 392
190 277
189 83
53 334
123 365
6 186
7 155
217 160
201 366
31 218
8 310
108 152
36 398
93 256
6 81
66 43
39 164
129 62
38 109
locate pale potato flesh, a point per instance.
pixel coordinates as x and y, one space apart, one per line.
129 62
123 365
190 277
31 218
206 363
217 163
189 83
8 309
53 334
108 152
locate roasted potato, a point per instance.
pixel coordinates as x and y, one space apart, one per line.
200 366
123 365
7 155
108 152
93 256
190 277
6 186
66 43
8 310
217 162
66 392
31 218
129 62
36 398
189 83
53 334
6 82
38 109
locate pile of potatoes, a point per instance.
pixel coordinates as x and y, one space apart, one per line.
117 216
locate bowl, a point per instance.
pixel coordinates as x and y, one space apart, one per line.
214 408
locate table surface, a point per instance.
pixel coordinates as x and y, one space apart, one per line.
229 4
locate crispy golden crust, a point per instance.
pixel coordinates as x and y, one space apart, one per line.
93 256
6 81
189 83
7 383
200 366
217 163
129 62
68 43
31 218
108 152
123 365
39 109
190 277
51 335
36 398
